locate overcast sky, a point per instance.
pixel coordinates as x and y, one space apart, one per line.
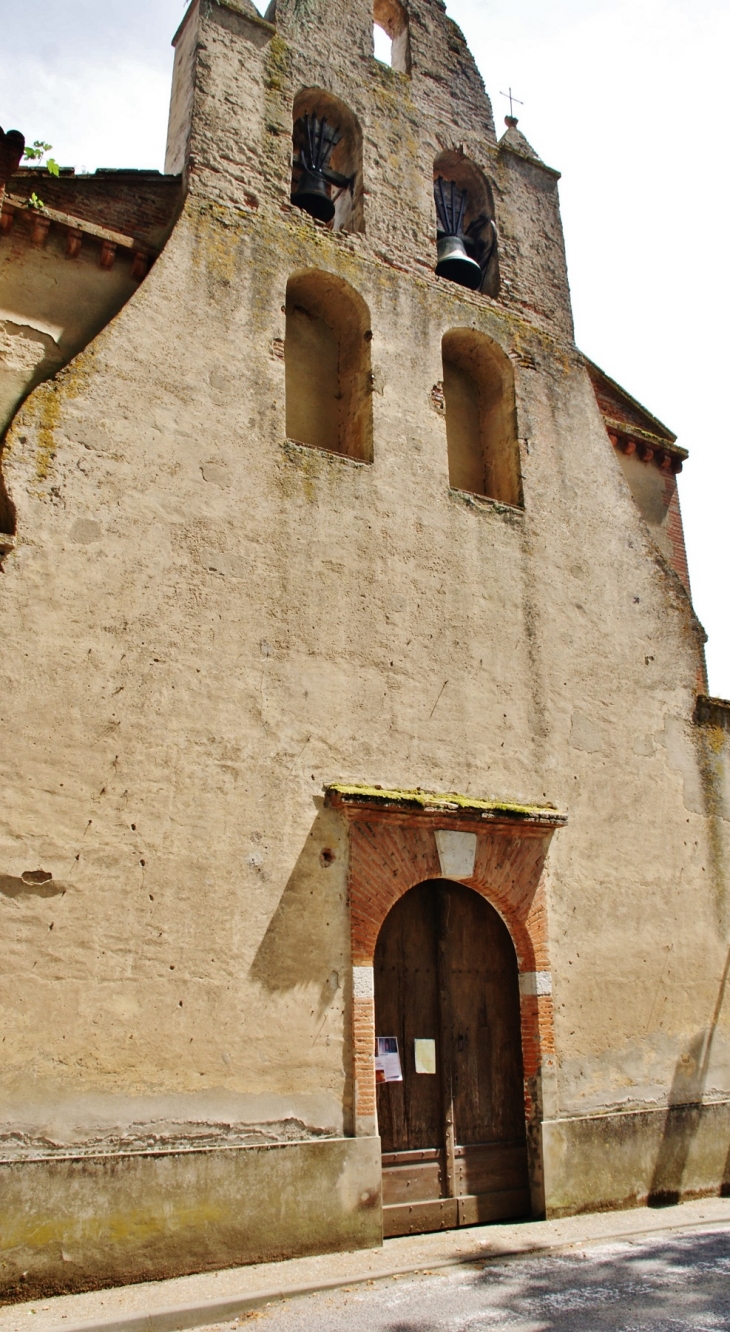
628 98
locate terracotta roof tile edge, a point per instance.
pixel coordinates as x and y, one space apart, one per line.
635 432
666 434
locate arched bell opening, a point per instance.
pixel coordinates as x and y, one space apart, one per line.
327 164
327 365
390 17
449 1068
467 246
481 421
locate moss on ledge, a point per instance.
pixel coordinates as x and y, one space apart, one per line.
446 802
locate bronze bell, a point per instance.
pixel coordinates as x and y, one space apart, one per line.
453 260
312 192
455 264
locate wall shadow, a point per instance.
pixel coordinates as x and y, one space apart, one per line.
685 1112
307 938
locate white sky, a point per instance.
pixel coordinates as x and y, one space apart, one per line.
628 98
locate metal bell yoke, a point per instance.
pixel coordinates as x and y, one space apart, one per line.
312 192
454 262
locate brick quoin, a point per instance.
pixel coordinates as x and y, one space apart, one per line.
392 851
675 529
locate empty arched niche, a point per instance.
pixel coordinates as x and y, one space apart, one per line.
481 425
478 228
327 167
391 18
327 361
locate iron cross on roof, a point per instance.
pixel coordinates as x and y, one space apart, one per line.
512 99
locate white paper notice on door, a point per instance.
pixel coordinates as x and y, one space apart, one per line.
387 1059
425 1053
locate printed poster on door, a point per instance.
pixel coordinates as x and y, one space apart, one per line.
387 1059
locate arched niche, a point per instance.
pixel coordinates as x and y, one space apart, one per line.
345 160
391 16
479 226
327 362
481 424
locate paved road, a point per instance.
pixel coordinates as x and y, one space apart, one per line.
662 1284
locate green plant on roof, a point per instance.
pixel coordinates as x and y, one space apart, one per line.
38 152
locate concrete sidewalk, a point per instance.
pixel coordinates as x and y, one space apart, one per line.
197 1301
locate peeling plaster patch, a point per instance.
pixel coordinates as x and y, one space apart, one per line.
32 883
228 566
644 746
39 326
363 983
221 379
536 983
104 1122
22 348
682 759
84 531
457 853
585 735
94 438
216 474
165 1137
377 380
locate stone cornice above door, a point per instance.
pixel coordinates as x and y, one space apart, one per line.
443 809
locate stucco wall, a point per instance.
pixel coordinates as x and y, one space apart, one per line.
205 625
76 1222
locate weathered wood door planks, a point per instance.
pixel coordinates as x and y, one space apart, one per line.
454 1150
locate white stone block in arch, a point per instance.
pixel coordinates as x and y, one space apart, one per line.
457 853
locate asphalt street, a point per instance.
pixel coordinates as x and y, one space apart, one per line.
661 1284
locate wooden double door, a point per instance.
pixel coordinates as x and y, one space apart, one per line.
453 1140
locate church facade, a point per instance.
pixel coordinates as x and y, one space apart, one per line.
365 841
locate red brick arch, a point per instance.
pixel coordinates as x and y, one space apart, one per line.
392 850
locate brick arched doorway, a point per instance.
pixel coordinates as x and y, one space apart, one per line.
400 839
452 1120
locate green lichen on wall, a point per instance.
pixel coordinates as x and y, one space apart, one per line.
218 232
42 412
277 66
49 411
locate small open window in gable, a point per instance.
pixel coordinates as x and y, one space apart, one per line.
327 356
391 36
480 417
